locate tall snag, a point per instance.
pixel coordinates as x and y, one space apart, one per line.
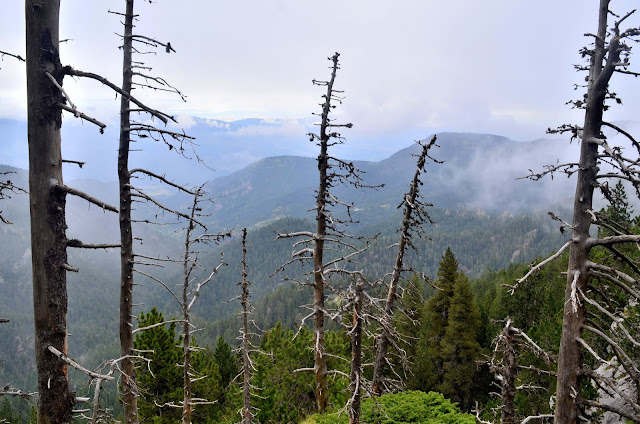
48 223
190 294
601 290
355 376
415 215
47 193
196 237
330 230
128 192
246 346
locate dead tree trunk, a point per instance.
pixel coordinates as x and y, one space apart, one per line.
588 308
320 363
414 216
128 191
602 66
355 386
48 225
189 297
186 316
509 373
247 415
129 390
330 230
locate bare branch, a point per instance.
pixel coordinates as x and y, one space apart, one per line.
77 366
83 195
3 53
81 115
163 179
158 114
513 288
159 324
79 244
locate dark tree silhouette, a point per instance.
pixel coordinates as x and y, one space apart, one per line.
46 99
599 294
330 228
415 215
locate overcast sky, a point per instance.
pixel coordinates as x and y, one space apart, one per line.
409 67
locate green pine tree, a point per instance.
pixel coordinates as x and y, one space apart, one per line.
460 348
8 413
618 213
408 321
227 361
285 396
438 312
161 381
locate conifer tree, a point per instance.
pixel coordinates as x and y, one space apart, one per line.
227 363
412 316
459 347
438 311
161 381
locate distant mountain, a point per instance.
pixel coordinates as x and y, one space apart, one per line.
471 192
223 146
479 172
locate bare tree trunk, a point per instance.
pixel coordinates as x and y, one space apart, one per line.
509 373
47 206
246 361
186 316
322 391
355 386
411 207
186 346
330 229
129 390
569 360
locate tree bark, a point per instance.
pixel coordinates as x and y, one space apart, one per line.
246 361
410 203
187 407
129 395
355 386
569 359
320 363
47 208
509 373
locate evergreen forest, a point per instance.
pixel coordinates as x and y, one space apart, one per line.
466 278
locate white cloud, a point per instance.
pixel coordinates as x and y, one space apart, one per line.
410 65
289 127
185 122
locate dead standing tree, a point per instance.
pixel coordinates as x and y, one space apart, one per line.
598 297
311 246
46 99
415 215
508 346
196 234
190 295
128 192
246 334
355 375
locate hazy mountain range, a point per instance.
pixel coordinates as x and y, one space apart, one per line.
489 219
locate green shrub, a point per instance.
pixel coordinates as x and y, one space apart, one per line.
403 408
